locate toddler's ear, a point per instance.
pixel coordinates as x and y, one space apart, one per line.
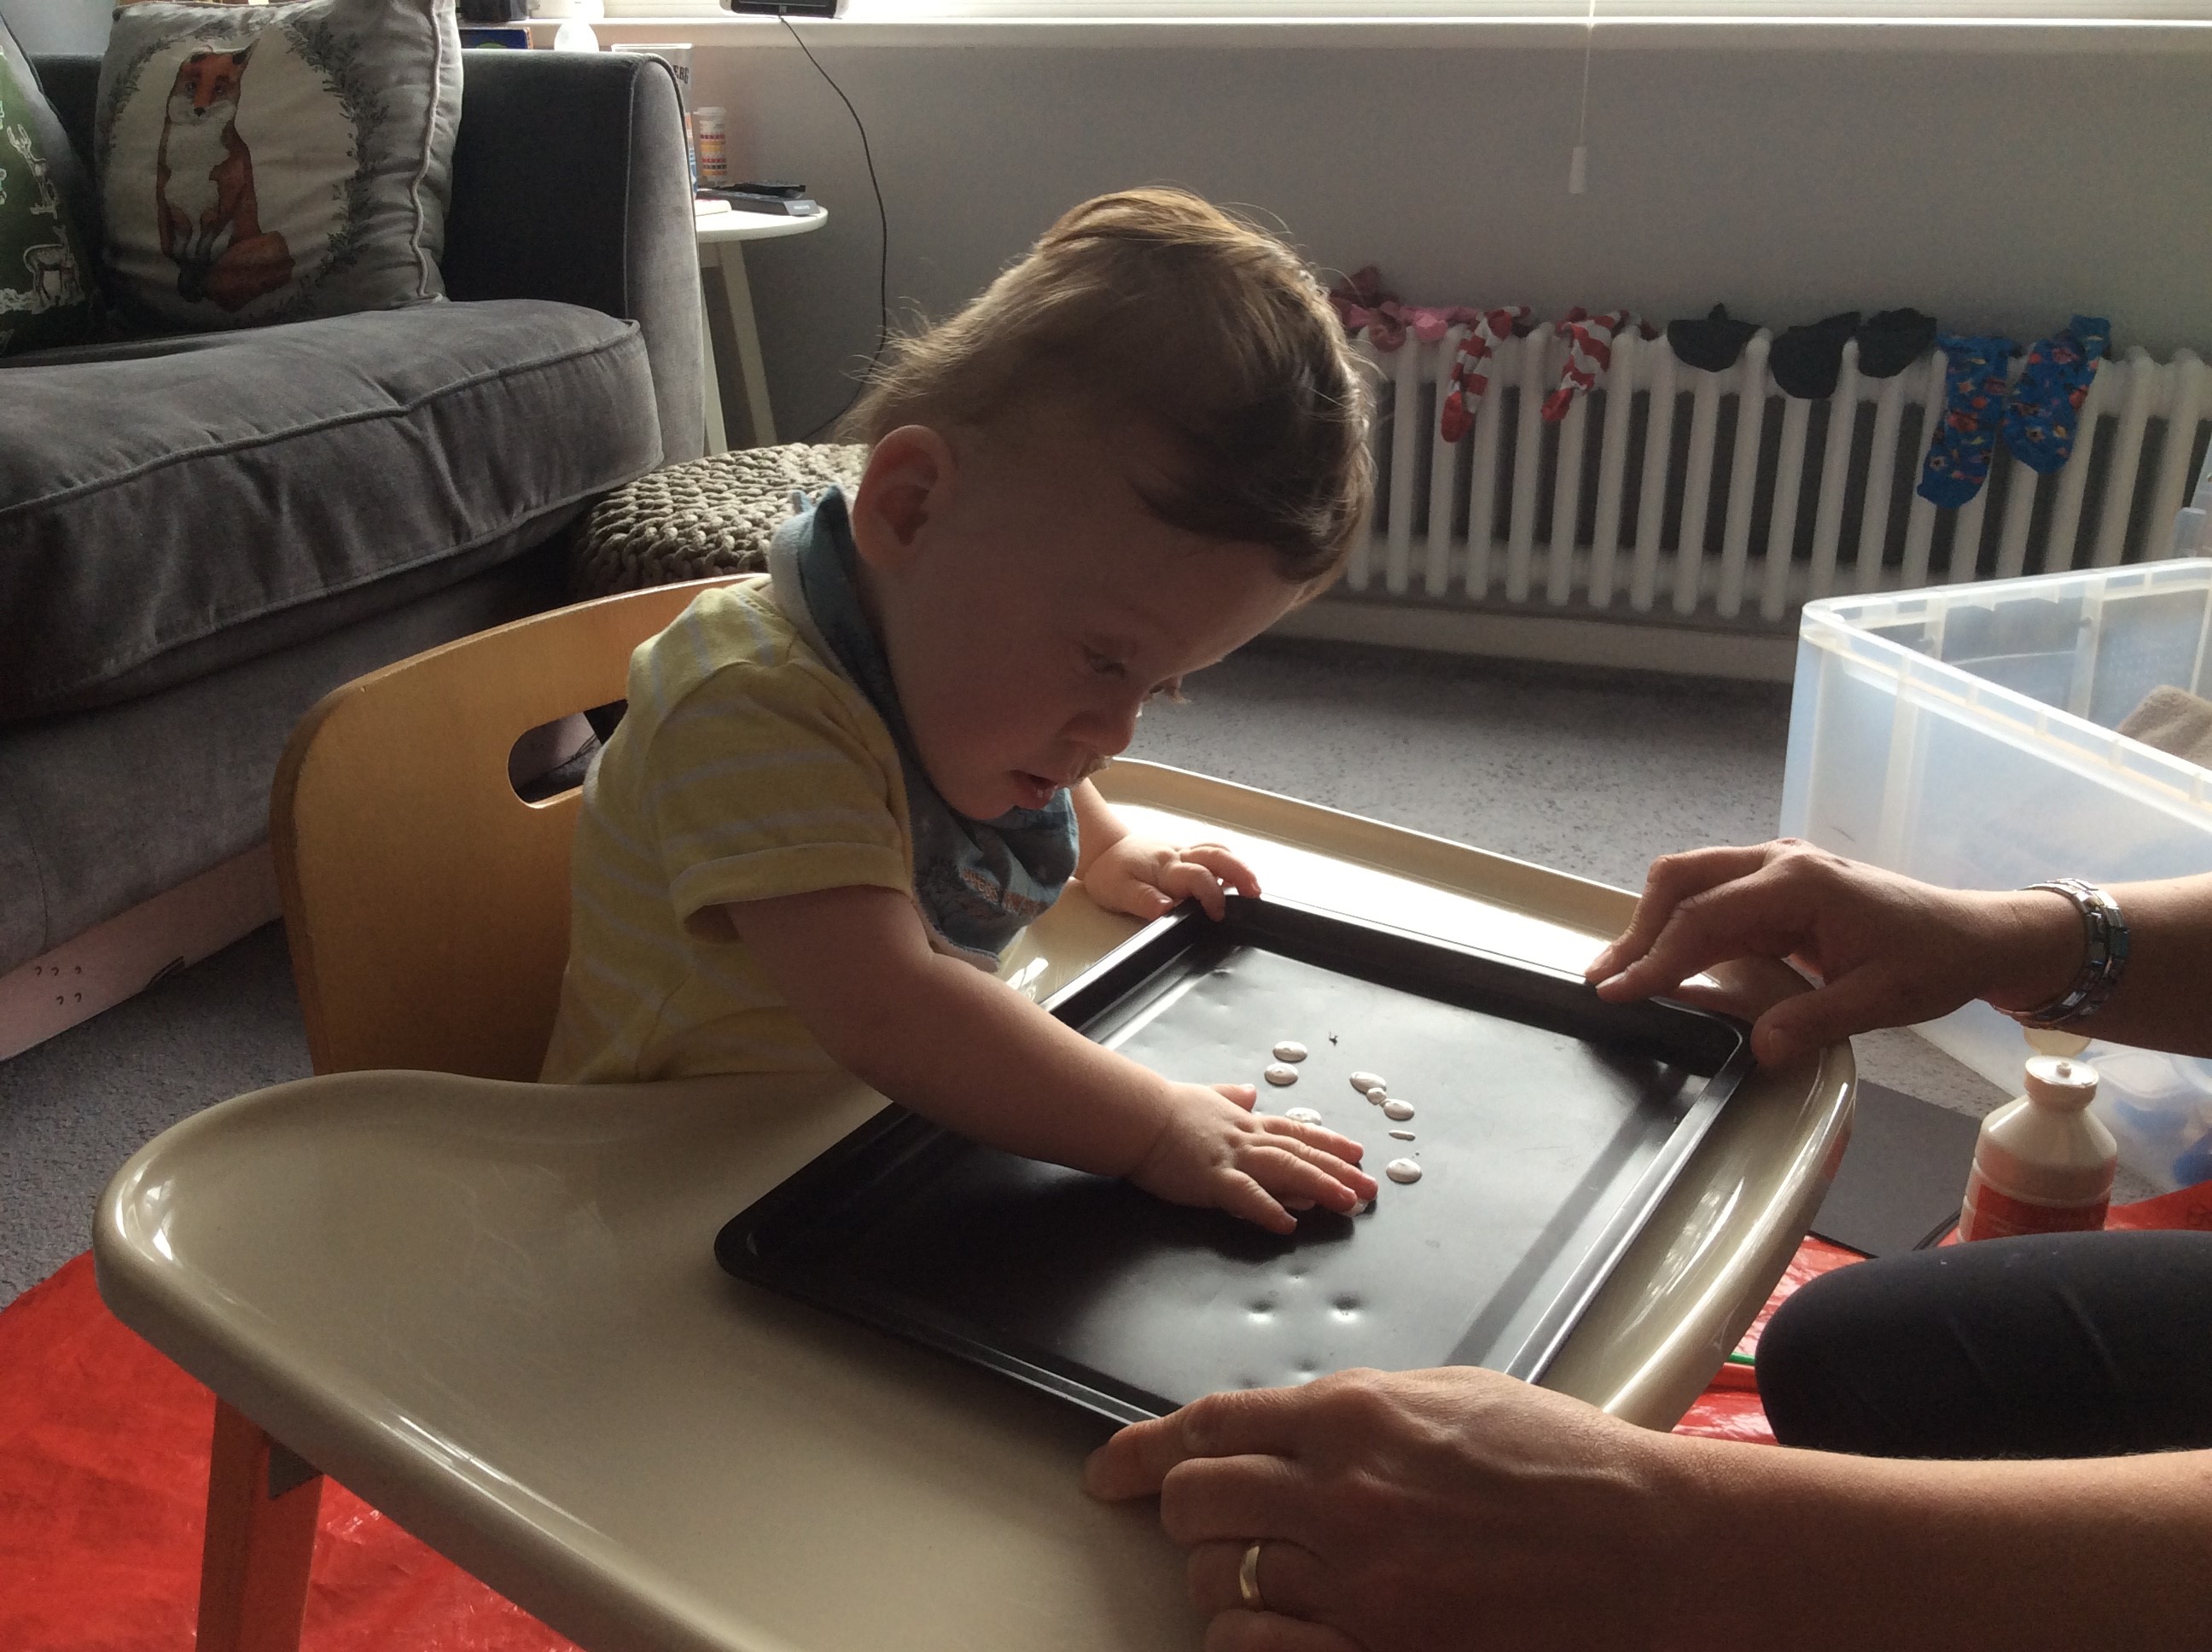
908 482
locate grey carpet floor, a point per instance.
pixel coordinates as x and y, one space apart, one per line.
1591 774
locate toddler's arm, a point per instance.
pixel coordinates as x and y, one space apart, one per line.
1144 877
948 1040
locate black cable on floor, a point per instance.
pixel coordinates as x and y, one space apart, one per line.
882 234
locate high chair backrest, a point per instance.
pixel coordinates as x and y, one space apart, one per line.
426 904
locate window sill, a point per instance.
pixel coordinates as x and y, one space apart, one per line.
1923 35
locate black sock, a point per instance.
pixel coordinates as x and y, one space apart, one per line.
1806 359
1713 343
1893 341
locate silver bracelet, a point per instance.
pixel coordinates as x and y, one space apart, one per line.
2104 957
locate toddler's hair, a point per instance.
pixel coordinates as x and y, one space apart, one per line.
1154 306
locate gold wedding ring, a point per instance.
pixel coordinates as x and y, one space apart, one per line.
1248 1578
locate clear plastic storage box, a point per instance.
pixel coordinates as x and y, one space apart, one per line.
1964 736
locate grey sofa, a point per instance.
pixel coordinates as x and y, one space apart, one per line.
200 537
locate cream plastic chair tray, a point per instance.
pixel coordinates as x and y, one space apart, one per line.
493 1309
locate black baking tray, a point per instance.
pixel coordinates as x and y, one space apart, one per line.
1547 1123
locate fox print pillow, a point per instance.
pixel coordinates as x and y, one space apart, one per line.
274 163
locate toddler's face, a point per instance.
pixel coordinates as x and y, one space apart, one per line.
1030 605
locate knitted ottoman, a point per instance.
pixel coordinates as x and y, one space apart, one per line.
712 515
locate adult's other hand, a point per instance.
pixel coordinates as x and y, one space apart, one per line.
1412 1510
1887 950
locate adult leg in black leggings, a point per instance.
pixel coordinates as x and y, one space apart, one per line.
2079 1345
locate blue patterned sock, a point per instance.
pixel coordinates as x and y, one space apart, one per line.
1973 407
2041 419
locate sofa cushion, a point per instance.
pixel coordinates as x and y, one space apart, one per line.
100 809
162 516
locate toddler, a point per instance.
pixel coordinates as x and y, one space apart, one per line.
842 786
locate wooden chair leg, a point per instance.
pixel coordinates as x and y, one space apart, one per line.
262 1503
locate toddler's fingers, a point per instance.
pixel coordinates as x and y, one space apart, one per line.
1315 1135
1287 1173
1240 1195
1189 877
1145 900
1245 1096
1343 1170
1225 867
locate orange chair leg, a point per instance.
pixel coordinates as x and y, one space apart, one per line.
262 1504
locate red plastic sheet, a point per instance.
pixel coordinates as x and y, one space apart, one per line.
2190 1208
103 1495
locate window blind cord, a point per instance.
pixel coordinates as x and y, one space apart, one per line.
1578 163
882 234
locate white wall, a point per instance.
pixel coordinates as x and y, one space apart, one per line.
1985 175
1999 177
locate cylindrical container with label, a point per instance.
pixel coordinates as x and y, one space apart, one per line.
711 134
2043 1163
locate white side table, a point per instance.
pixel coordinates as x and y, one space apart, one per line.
721 237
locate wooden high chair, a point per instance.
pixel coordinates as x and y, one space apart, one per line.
489 1306
425 906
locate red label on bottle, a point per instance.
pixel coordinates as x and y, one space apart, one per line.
1989 1214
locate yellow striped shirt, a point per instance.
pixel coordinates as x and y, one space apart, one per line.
746 767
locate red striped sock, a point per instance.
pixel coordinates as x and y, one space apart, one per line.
1470 374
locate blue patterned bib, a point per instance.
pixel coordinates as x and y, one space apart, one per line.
978 883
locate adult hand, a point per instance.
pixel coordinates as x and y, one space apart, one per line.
1459 1509
1887 950
1415 1510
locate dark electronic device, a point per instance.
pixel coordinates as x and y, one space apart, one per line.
787 8
776 205
1548 1124
786 192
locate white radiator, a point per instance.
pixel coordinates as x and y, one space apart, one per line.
1656 503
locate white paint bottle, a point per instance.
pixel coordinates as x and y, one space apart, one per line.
2045 1162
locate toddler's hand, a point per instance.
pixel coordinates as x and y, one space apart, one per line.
1144 876
1215 1150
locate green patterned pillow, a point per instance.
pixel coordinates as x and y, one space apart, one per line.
45 274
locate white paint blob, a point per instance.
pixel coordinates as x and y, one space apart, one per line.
1364 1082
1290 1050
1280 1074
1394 1108
1302 1115
1401 1135
1403 1169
